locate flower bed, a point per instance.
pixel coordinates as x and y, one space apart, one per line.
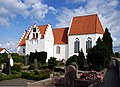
92 76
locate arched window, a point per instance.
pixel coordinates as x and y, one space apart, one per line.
34 29
23 50
88 44
58 50
76 45
33 36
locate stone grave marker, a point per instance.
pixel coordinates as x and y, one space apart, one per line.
70 75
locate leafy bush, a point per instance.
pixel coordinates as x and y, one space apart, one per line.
17 67
52 62
58 70
16 57
44 66
31 67
40 56
8 77
4 70
35 75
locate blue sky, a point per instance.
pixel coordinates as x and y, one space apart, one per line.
18 15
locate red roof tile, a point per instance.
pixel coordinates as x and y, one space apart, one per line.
60 35
89 24
42 30
1 49
23 40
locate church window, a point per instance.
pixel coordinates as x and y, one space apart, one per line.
36 35
23 50
76 45
33 35
34 29
58 50
88 44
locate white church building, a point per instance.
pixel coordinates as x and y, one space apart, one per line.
62 43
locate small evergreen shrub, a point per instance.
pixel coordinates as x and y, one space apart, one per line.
31 67
17 67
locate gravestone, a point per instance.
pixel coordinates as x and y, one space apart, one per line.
76 66
36 64
25 60
70 75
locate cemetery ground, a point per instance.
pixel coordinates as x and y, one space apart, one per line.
111 79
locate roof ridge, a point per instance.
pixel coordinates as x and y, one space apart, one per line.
61 28
85 15
96 24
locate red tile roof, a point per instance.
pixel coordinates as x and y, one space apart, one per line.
23 40
60 35
1 49
89 24
42 30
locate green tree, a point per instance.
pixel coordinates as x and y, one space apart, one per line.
73 58
40 56
17 58
95 56
81 60
52 62
107 43
3 57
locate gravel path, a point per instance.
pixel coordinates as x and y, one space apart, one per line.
15 83
111 78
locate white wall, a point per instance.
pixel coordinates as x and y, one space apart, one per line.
33 45
82 39
45 44
20 50
49 41
63 51
4 51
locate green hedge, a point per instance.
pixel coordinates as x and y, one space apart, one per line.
8 77
35 75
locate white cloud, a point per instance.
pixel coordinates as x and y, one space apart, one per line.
106 10
29 8
11 46
74 1
4 22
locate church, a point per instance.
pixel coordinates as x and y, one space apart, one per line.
62 43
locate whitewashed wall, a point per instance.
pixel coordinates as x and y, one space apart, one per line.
49 42
45 44
20 50
4 51
82 39
63 51
33 45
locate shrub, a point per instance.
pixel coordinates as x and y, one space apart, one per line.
40 56
58 70
8 77
35 75
52 62
31 67
44 66
4 70
17 67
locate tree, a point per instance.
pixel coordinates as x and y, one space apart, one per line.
107 43
95 56
100 55
52 62
40 56
3 57
81 60
16 57
73 58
